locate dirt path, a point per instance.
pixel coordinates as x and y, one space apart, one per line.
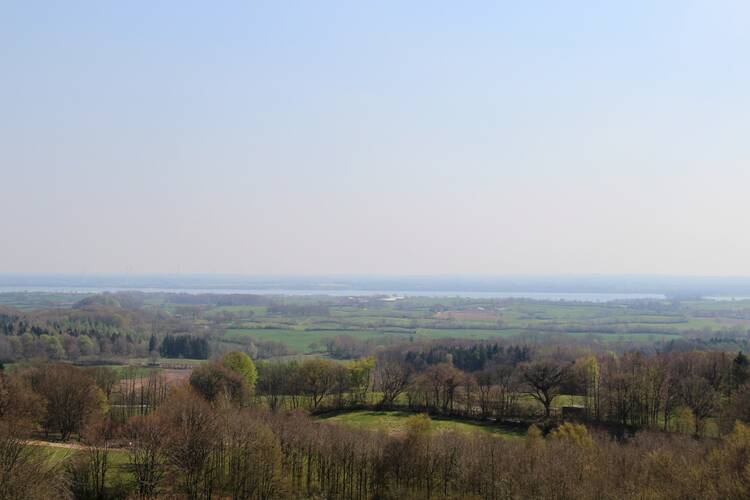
58 444
55 444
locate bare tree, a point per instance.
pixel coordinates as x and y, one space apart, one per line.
145 441
253 456
392 376
318 378
87 470
190 439
71 397
697 394
26 472
543 380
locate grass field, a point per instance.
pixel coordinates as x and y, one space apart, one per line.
466 333
394 422
59 453
302 341
311 341
40 300
306 341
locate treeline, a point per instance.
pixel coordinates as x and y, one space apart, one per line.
469 358
349 347
184 346
93 319
298 310
217 299
97 326
256 349
465 355
695 392
705 341
66 346
334 462
310 382
206 440
91 329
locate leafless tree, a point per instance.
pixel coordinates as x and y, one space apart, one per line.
543 380
145 438
392 376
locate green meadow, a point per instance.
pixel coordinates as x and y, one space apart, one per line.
394 422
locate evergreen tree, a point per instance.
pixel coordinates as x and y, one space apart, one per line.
740 370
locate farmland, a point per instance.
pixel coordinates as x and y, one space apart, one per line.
417 319
121 324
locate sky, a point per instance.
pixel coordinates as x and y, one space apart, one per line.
389 137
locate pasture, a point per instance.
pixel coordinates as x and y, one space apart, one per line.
394 423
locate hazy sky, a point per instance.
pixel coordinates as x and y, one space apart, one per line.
375 137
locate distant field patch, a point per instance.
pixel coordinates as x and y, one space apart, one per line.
627 337
302 341
467 333
470 315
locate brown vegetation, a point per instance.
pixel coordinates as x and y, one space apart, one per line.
209 439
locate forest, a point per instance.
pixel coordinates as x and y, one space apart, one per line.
161 405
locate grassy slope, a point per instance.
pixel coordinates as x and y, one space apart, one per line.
117 466
393 422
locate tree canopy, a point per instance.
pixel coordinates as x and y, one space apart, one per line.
240 363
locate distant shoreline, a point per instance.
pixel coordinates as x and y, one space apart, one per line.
545 296
595 288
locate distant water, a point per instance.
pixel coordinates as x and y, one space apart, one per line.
556 296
